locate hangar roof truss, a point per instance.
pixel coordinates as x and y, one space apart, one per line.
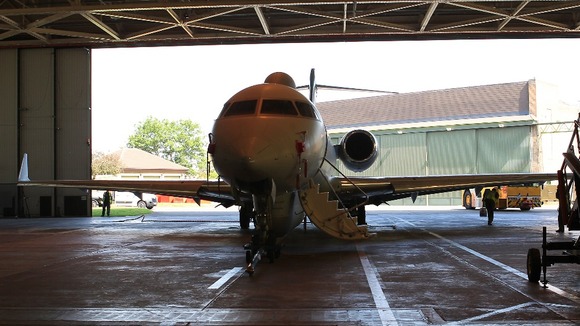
100 23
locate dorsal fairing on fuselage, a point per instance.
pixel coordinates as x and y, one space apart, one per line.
281 78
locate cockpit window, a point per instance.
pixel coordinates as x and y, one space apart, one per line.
241 108
306 110
279 107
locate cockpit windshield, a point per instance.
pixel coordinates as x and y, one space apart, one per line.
278 107
271 107
241 108
306 110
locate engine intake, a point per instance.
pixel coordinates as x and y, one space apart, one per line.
357 150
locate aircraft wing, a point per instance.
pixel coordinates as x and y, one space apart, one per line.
383 189
212 190
215 191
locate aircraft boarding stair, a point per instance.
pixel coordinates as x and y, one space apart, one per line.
328 217
569 184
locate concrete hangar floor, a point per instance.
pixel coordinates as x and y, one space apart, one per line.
425 266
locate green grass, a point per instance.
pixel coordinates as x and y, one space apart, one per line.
122 211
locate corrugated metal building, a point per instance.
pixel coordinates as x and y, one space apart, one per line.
469 130
45 111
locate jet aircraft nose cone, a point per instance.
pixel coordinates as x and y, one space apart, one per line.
247 164
248 159
259 165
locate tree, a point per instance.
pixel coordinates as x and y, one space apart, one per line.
106 164
178 141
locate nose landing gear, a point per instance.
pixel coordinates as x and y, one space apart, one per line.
263 242
257 249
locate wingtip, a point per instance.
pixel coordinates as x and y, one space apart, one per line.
23 175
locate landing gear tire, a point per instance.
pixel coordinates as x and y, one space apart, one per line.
534 265
245 216
244 222
248 256
271 255
272 250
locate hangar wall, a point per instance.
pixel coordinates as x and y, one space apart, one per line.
45 112
9 126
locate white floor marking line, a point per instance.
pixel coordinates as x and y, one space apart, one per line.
495 312
231 273
498 264
385 312
563 293
482 256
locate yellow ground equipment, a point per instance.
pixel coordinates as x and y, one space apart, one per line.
524 197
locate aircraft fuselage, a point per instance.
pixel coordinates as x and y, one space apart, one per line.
268 141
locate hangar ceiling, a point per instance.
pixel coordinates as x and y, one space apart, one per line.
100 23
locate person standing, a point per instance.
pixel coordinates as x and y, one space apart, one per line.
106 203
490 198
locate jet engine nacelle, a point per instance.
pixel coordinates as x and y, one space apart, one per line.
357 150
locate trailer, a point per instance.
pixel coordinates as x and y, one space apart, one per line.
568 194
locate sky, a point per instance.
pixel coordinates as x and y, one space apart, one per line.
193 82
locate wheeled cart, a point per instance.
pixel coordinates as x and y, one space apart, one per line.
538 262
568 194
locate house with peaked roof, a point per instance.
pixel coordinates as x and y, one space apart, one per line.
138 164
469 130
